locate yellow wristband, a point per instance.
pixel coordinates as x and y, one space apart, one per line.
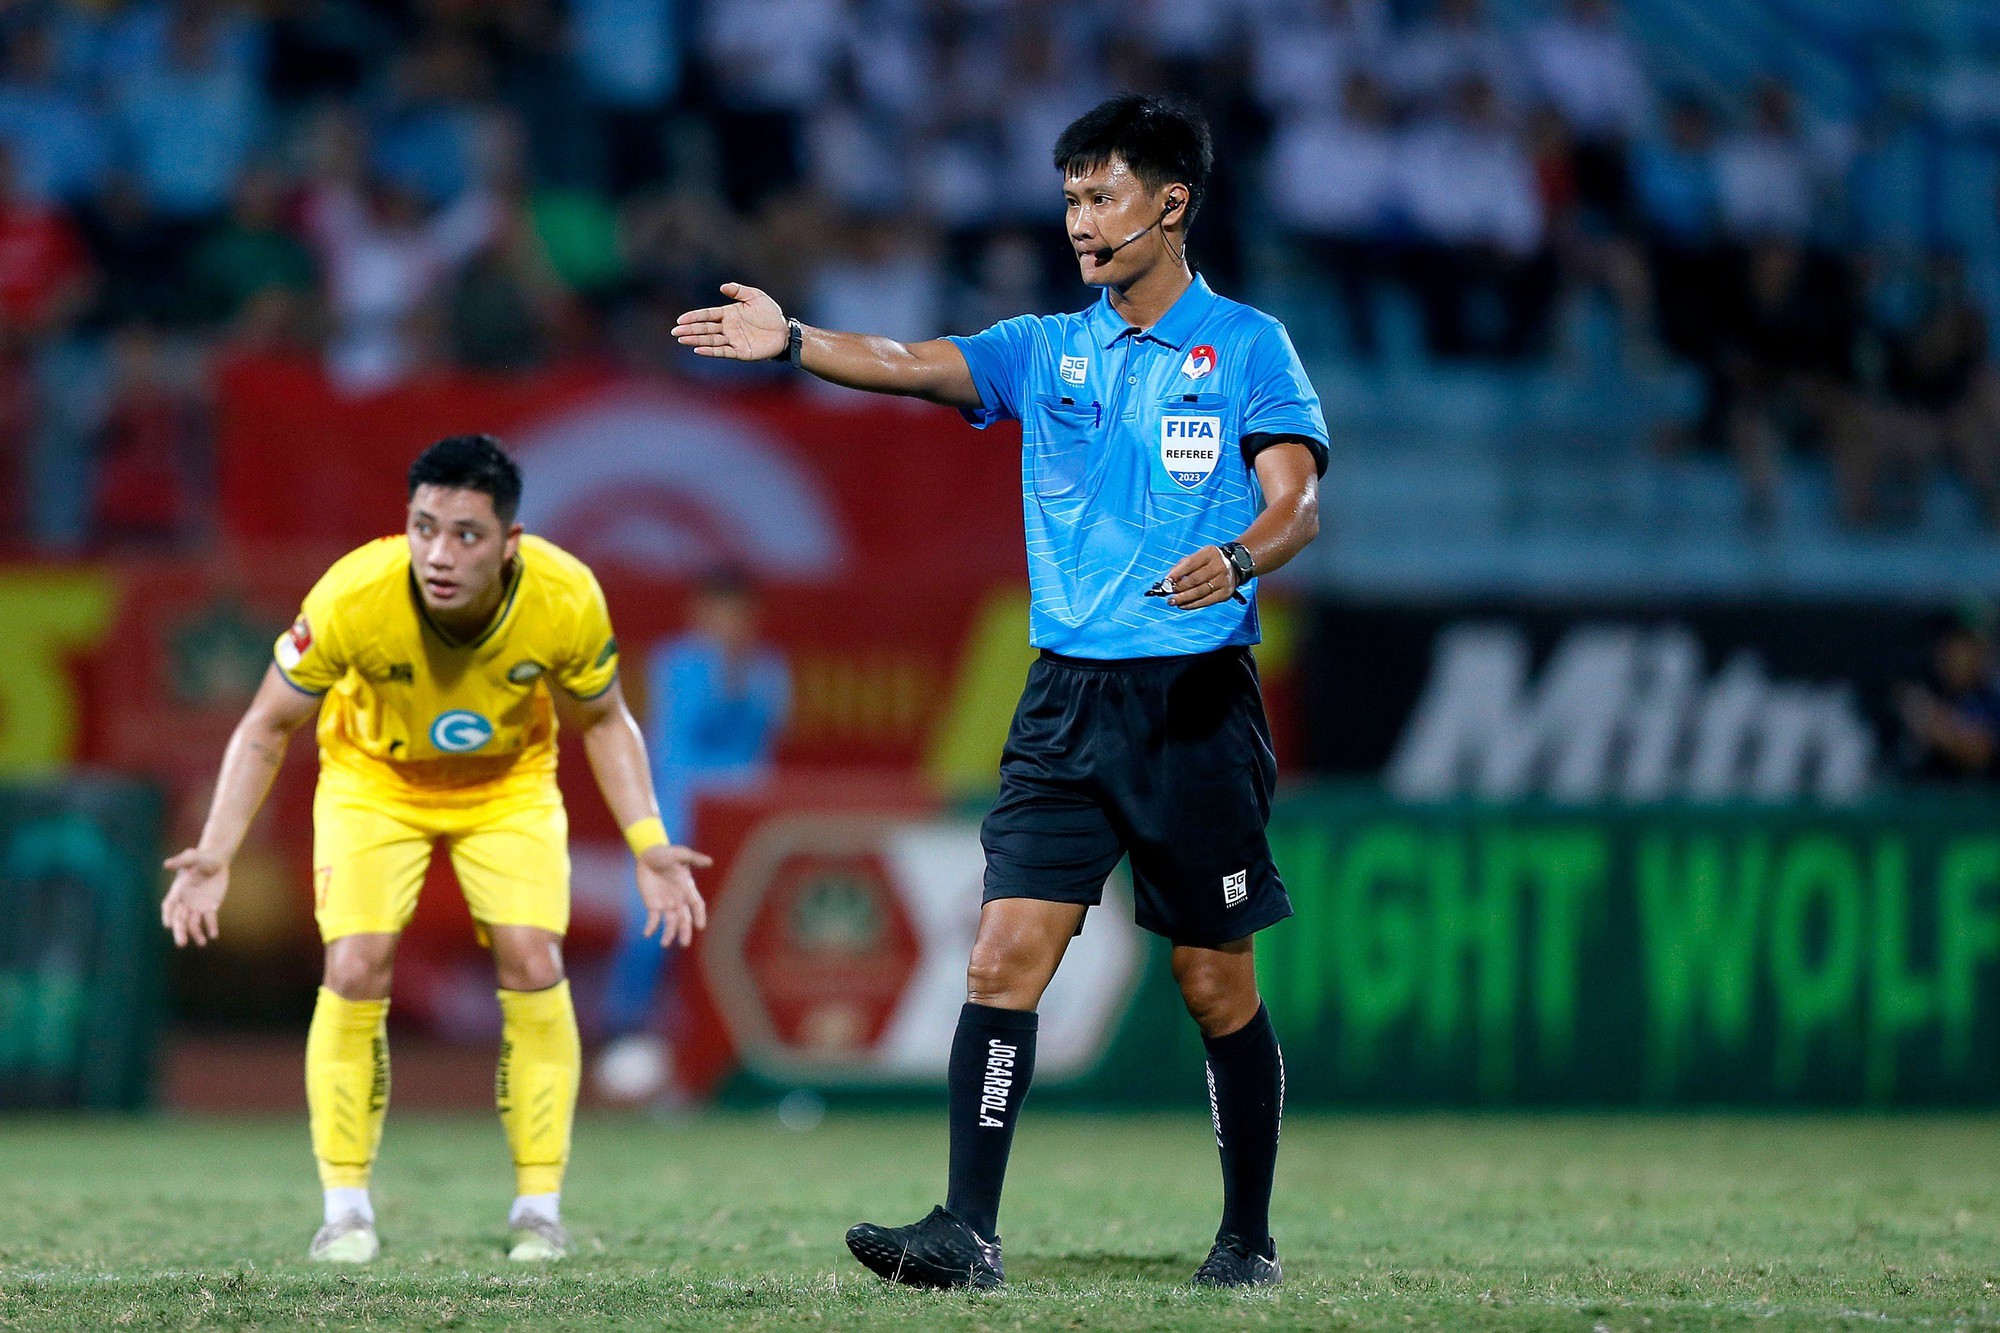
645 833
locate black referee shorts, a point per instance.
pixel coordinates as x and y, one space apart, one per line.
1165 758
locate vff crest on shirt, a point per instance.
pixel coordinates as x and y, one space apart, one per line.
1200 363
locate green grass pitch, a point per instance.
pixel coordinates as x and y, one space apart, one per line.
730 1221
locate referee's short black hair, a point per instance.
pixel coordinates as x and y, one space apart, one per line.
471 463
1161 141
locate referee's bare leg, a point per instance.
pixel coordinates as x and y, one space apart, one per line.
1021 942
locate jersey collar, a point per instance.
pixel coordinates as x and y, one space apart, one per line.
492 626
1175 328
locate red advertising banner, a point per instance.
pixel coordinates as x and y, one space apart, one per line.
655 475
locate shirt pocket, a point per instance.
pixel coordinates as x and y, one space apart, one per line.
1060 433
1192 437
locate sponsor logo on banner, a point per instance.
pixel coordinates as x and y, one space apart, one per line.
293 647
460 731
672 486
1624 712
1190 446
837 952
1200 363
1074 368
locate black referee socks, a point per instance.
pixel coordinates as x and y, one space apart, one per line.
992 1061
1246 1094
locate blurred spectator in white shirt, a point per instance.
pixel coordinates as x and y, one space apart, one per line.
954 180
879 278
1764 174
1428 63
1585 67
1332 179
893 68
1480 266
770 63
1302 52
856 158
1045 93
1463 178
1589 70
1186 32
385 260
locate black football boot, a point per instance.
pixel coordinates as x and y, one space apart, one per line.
1234 1262
939 1251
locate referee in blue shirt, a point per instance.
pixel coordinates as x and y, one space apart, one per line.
1171 449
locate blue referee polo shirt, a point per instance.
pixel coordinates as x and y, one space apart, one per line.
1136 451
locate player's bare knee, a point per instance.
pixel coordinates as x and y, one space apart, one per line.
535 971
360 967
526 959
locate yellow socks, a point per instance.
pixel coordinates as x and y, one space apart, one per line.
541 1062
347 1086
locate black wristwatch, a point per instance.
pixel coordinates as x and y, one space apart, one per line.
1238 556
795 334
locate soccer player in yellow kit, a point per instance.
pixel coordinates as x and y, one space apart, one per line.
438 664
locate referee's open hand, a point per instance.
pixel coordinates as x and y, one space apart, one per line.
1202 579
750 328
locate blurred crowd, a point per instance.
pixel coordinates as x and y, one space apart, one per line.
496 184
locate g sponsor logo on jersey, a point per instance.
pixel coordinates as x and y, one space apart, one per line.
1074 368
460 731
293 646
523 672
1200 363
1190 446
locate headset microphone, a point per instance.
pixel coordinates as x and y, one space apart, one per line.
1165 213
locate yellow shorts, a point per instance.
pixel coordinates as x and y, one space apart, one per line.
370 858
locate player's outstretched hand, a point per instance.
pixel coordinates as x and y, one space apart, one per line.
666 885
1202 579
193 902
750 328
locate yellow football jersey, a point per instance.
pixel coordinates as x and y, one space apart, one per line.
412 714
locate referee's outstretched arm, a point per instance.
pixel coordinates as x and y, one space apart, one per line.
753 328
